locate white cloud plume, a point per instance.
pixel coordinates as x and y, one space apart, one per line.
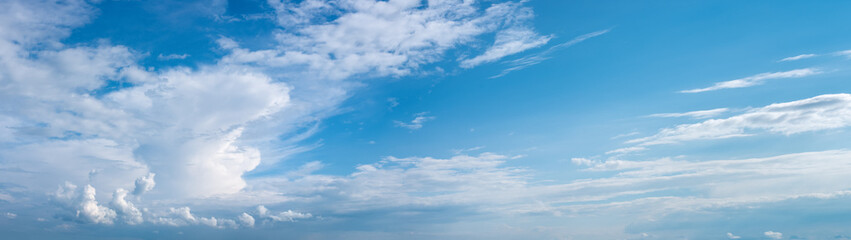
822 112
508 42
694 114
758 79
798 57
533 59
417 122
774 235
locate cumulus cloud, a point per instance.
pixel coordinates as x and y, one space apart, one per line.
417 122
84 204
829 111
694 114
758 79
285 216
246 220
774 235
125 209
144 184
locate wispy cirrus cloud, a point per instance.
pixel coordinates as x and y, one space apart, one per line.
534 59
694 114
798 57
829 111
758 79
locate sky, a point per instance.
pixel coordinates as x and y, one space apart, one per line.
425 119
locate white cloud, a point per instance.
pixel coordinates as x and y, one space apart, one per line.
798 57
285 216
84 204
626 150
758 79
694 114
173 56
528 61
144 184
731 236
125 209
508 42
10 215
822 112
846 53
246 220
774 235
417 122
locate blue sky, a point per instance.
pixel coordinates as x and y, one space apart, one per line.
439 119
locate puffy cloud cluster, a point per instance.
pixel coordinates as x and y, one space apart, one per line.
402 35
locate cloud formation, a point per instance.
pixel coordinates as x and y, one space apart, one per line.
417 122
758 79
829 111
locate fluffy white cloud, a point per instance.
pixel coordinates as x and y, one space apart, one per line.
246 220
757 79
125 209
144 184
821 112
285 216
84 203
774 235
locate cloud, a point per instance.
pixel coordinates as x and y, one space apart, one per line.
694 114
798 57
84 204
417 122
286 216
144 184
125 209
774 235
534 59
829 111
846 53
10 215
246 220
731 236
174 56
508 42
758 79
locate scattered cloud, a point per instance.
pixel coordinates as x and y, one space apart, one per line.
417 122
822 112
798 57
534 59
162 57
731 236
845 53
694 114
774 235
508 42
758 79
10 215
